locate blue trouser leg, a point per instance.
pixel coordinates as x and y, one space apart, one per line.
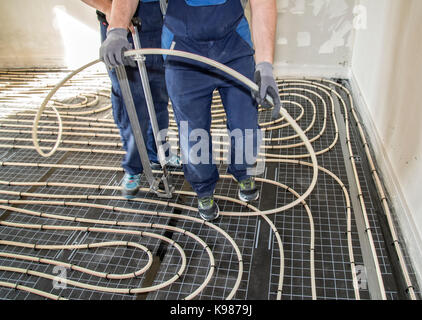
191 95
131 162
242 120
156 75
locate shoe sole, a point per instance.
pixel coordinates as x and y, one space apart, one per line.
246 200
176 168
130 194
168 167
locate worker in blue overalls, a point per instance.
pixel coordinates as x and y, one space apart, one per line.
150 36
216 29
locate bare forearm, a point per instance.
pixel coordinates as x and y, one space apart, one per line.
101 5
264 23
122 12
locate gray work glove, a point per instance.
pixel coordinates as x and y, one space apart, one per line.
264 78
113 48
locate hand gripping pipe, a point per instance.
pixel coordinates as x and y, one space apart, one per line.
138 54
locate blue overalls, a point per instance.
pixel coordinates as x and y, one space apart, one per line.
150 37
216 29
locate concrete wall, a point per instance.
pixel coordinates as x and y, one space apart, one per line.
386 70
47 33
314 37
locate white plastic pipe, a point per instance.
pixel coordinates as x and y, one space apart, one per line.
246 81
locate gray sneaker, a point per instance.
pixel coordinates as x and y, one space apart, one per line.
208 208
155 165
247 190
172 163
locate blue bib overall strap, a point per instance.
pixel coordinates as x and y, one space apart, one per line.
150 36
164 4
203 20
216 29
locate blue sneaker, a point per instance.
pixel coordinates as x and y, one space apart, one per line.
208 209
130 185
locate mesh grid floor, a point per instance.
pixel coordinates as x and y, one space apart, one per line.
333 277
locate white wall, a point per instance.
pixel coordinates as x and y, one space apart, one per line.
47 33
314 37
387 70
